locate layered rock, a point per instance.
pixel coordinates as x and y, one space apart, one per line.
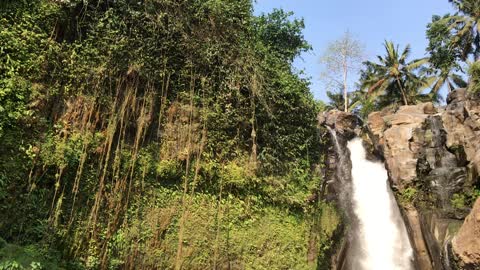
433 154
397 135
462 124
462 121
466 244
393 133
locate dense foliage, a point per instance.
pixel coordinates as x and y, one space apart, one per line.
175 134
157 134
394 76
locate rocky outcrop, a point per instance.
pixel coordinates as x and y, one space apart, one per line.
433 158
414 227
341 127
466 244
345 124
431 154
393 133
462 124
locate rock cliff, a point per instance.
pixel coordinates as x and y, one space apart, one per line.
433 159
466 244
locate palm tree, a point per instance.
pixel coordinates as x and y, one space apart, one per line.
465 25
446 48
336 100
393 76
446 76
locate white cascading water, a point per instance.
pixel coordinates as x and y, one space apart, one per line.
383 238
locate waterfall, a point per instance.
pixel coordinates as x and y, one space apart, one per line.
343 167
383 242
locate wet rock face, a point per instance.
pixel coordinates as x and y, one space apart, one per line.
437 167
462 124
436 153
419 147
341 127
466 244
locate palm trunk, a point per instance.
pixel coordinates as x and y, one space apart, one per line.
405 102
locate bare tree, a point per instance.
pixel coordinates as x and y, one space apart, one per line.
342 57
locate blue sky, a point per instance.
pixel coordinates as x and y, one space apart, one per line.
370 21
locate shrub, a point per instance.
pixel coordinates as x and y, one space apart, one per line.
474 72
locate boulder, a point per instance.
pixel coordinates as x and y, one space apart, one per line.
422 257
466 244
345 124
392 133
376 126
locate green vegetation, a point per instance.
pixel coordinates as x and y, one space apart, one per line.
394 79
35 257
157 135
168 134
455 37
465 199
474 72
408 196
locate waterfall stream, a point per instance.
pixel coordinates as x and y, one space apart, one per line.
383 242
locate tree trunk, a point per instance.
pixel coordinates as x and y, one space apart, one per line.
185 201
253 135
405 101
345 73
